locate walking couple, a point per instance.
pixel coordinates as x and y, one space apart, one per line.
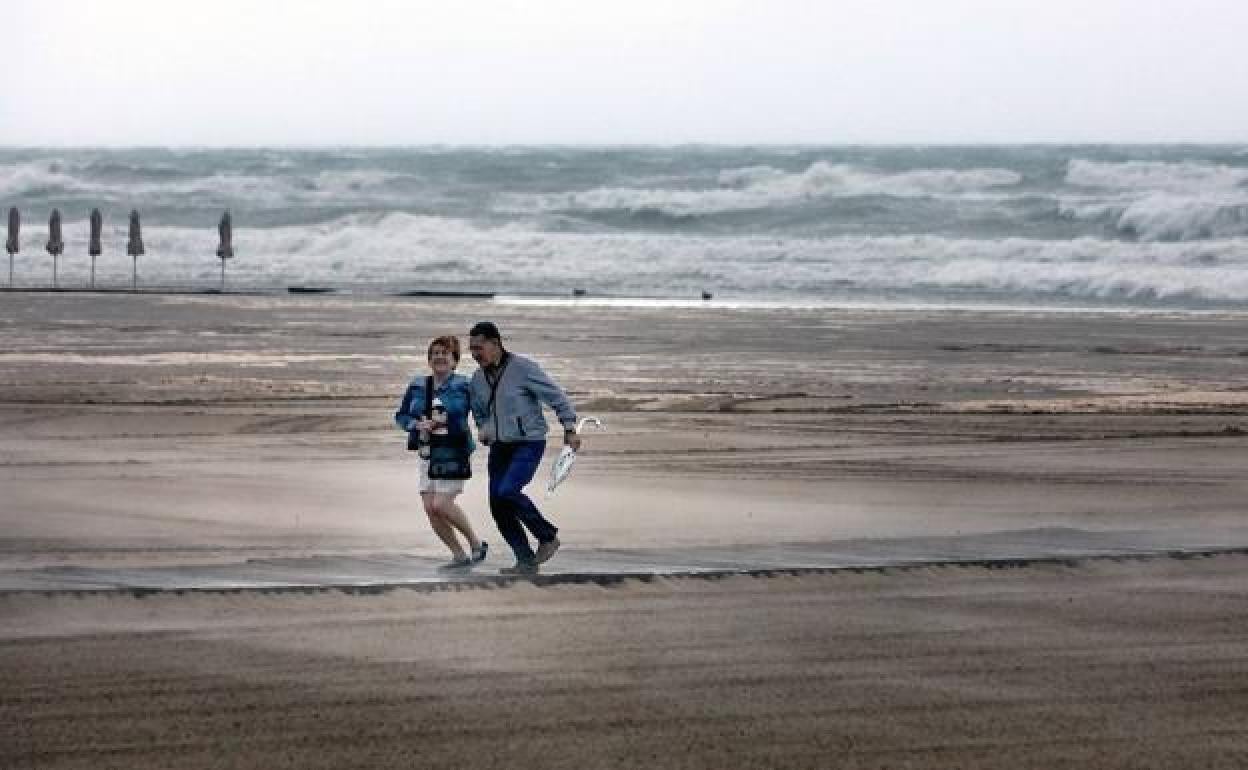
505 397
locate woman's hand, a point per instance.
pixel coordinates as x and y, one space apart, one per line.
423 425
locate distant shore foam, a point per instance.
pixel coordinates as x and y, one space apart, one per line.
404 252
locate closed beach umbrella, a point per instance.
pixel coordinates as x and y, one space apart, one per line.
226 248
93 245
12 244
134 246
56 244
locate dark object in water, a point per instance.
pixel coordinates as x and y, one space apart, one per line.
310 290
428 293
706 295
578 292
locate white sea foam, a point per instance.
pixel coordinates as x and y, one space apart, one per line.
228 188
1156 176
19 179
763 187
1162 201
405 251
751 227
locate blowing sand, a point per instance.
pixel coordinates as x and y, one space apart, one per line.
144 430
1140 665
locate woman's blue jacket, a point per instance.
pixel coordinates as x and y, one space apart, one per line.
455 396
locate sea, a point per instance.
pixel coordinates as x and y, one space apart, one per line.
1134 227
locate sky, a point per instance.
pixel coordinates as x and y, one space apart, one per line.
478 72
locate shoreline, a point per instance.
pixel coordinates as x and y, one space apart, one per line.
582 299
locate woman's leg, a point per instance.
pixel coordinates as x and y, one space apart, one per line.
452 513
441 525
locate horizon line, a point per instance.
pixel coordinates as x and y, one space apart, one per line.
627 145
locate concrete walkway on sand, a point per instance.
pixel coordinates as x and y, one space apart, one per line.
383 571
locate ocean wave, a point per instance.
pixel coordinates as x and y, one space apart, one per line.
20 179
354 181
746 222
1157 201
1166 217
763 187
157 185
1156 176
403 250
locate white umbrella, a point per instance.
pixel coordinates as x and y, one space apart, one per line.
561 468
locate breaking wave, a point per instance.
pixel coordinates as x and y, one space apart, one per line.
402 250
1137 225
150 188
1158 201
1156 176
766 187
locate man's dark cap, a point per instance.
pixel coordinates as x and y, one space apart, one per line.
485 329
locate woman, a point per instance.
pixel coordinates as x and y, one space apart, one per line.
438 495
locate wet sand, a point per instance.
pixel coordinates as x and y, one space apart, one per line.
147 430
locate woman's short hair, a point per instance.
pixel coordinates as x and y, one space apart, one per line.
448 341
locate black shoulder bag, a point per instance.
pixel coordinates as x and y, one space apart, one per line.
448 454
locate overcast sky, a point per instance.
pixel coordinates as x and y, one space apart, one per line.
249 72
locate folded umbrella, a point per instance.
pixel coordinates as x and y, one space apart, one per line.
134 246
561 468
13 244
93 243
56 244
225 229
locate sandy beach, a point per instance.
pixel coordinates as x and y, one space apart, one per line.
146 430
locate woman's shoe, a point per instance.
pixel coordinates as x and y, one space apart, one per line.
478 553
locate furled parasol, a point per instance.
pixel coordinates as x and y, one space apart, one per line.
134 246
93 244
226 249
56 244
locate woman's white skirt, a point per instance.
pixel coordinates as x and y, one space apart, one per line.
438 486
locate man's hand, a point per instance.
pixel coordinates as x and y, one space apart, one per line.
570 438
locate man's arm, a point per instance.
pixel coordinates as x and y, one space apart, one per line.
551 394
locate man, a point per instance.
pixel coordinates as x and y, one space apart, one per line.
508 391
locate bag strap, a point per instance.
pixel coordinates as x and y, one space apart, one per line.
429 398
497 380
